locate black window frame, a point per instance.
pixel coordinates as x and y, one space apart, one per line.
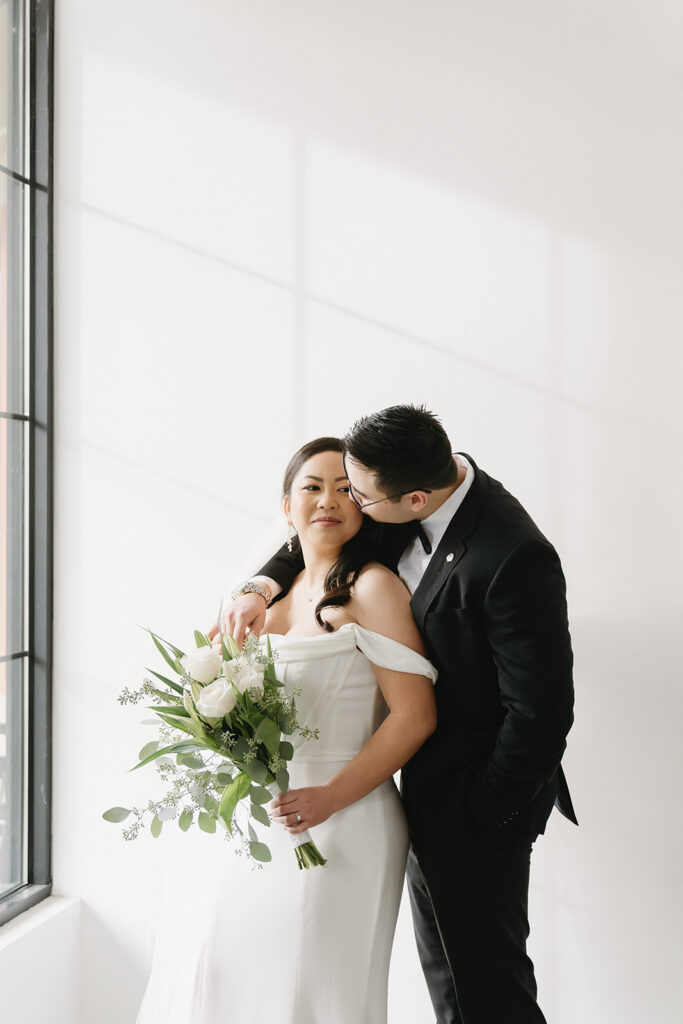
39 17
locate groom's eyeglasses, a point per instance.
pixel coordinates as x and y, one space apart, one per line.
366 504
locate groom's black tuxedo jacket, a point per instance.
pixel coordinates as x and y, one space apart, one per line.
491 607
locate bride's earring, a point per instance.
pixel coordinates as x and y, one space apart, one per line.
292 534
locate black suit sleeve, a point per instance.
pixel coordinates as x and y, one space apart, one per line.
283 567
525 611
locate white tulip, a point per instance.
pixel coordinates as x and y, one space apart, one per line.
243 674
203 665
216 699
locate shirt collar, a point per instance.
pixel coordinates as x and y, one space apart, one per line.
435 524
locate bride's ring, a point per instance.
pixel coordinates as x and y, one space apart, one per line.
298 816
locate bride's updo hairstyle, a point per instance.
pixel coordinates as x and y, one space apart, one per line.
358 550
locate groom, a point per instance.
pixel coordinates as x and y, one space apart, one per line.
488 595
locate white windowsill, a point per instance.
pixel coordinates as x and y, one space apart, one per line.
34 917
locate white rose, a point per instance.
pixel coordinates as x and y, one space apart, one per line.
243 674
216 699
203 665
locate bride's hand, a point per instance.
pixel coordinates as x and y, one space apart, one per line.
246 613
299 809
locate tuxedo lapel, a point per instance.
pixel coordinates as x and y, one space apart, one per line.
441 565
451 548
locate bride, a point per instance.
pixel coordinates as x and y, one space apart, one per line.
313 947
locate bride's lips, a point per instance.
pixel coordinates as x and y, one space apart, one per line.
327 521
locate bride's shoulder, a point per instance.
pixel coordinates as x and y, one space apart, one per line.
376 580
380 601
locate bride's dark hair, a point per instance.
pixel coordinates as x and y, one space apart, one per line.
357 551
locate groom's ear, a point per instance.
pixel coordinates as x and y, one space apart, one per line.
417 500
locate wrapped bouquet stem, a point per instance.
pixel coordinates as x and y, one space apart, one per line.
222 743
307 853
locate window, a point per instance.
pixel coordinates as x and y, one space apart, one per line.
25 452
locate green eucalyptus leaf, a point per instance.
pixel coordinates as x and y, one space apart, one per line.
223 778
241 748
256 770
269 734
189 761
260 851
260 795
148 748
260 813
155 827
185 819
282 779
206 822
116 814
286 725
286 750
252 833
181 747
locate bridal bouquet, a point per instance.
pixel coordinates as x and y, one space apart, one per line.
231 759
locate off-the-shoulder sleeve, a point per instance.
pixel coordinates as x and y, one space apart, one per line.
387 653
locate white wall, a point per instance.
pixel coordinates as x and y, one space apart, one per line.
40 968
271 218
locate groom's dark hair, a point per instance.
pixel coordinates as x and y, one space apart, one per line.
406 448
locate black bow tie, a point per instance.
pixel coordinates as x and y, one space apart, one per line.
424 539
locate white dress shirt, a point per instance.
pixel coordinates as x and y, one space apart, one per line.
414 560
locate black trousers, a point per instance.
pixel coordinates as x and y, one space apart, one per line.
469 901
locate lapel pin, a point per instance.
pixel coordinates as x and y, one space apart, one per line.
449 557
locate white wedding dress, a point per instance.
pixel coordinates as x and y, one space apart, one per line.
285 946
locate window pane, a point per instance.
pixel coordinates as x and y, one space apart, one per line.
12 108
12 335
13 452
25 454
12 798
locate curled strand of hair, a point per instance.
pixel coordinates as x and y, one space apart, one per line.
354 555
